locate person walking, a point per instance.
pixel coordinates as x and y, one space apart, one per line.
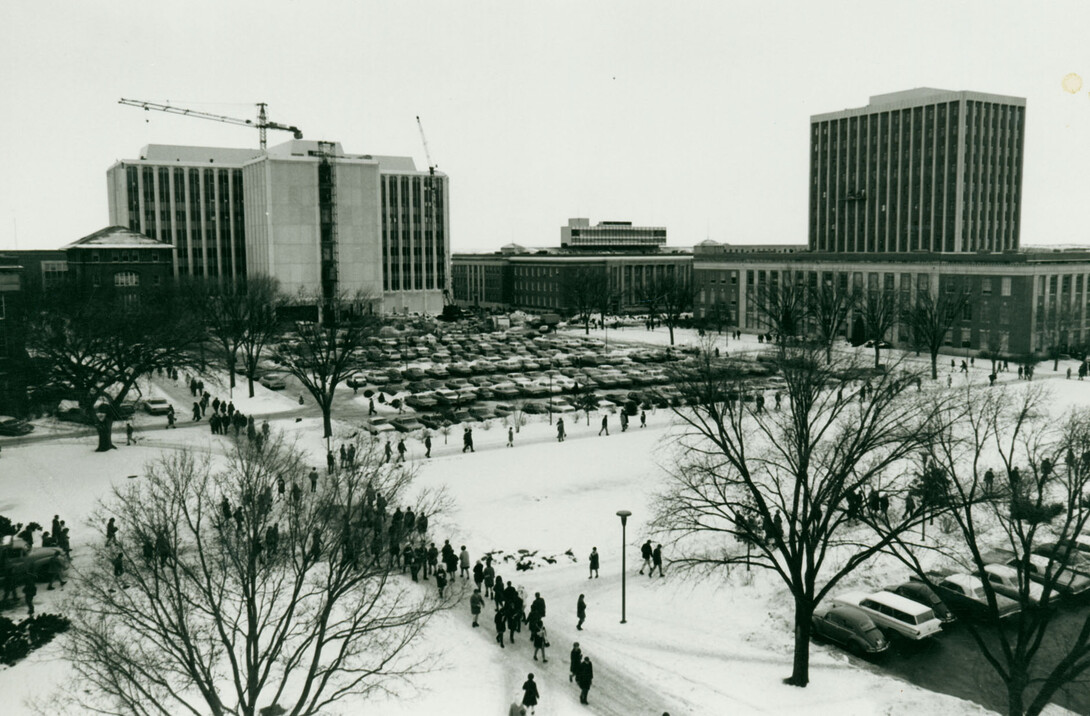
30 589
371 407
489 578
388 452
593 562
330 462
440 581
401 450
643 418
645 552
476 603
605 425
478 574
538 605
128 433
463 563
55 569
510 437
584 679
314 479
540 640
581 612
575 661
469 439
111 532
501 626
560 430
530 693
170 417
427 446
656 561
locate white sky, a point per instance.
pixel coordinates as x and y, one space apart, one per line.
692 115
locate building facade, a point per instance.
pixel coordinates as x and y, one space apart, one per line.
611 236
540 280
919 170
319 220
13 398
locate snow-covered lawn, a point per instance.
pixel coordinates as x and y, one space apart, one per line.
687 647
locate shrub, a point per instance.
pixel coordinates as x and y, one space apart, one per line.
18 640
1030 511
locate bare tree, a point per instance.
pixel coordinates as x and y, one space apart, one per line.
217 598
263 302
878 312
772 488
782 310
1016 478
582 288
827 309
322 354
676 298
930 318
97 343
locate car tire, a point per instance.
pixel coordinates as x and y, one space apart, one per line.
855 649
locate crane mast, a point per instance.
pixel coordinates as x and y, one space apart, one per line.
263 124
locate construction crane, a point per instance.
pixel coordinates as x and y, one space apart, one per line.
451 311
262 122
427 154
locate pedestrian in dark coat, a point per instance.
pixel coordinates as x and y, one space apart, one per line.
441 582
489 579
510 436
433 559
196 411
656 561
476 603
584 678
111 532
314 479
540 640
560 430
605 425
401 450
645 552
500 620
530 694
575 662
463 562
388 451
427 446
478 574
30 589
498 592
593 562
330 461
538 605
581 612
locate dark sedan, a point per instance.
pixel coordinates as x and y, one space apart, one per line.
849 627
923 594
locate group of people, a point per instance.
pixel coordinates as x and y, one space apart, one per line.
15 570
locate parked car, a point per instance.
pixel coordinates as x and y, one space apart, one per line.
920 592
273 381
1005 581
534 409
357 380
10 426
156 406
378 426
1041 568
894 614
463 416
506 390
559 405
421 401
407 424
503 409
965 595
481 412
22 559
850 627
446 396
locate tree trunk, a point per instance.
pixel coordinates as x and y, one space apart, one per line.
586 325
105 430
327 423
1055 364
800 673
934 365
829 353
1016 688
250 382
877 355
671 333
231 372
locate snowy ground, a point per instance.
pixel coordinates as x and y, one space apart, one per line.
688 648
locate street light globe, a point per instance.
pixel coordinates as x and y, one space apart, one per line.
624 515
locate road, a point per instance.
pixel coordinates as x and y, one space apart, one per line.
952 664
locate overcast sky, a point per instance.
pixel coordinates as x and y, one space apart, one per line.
689 115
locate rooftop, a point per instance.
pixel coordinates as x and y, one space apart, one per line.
117 237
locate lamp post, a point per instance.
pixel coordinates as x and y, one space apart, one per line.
624 515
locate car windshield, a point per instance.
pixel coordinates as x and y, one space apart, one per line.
924 616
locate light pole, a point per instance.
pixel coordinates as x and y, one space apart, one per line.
624 515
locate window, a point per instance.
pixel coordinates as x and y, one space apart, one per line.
967 312
126 278
1005 286
986 286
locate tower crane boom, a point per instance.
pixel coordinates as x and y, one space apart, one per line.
261 124
427 152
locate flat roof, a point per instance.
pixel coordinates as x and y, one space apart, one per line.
917 97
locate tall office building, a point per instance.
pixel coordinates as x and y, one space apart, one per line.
317 219
920 170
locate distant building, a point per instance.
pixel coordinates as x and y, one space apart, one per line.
611 235
919 170
304 212
917 193
13 399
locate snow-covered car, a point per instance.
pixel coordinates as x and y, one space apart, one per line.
273 381
964 594
558 405
849 627
407 424
894 614
22 559
156 406
1005 581
14 426
504 409
534 409
378 426
506 390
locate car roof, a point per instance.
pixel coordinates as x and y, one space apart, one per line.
898 602
965 581
853 615
1001 570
